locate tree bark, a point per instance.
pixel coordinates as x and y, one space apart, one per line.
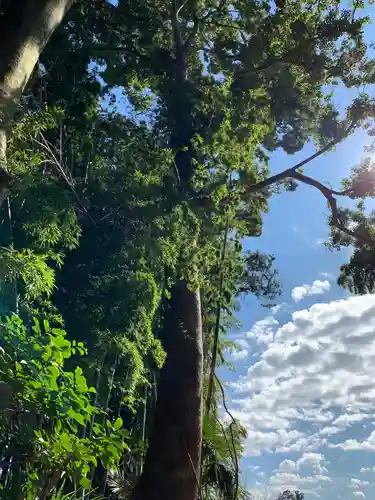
25 28
172 466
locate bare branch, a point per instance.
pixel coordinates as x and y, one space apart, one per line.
356 6
181 7
112 48
329 194
223 25
176 27
288 173
332 203
234 422
211 12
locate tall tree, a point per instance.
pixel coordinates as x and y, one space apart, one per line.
155 204
227 80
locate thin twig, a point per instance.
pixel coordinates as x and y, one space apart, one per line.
181 7
234 422
217 322
192 467
54 161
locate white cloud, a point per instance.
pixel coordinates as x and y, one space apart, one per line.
309 463
308 484
348 419
314 462
317 288
327 276
253 468
330 431
365 469
242 343
287 466
320 241
237 355
241 350
359 494
263 331
314 378
355 483
280 308
355 445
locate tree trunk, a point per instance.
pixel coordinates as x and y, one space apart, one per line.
172 466
25 28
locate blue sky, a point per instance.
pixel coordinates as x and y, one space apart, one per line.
303 380
290 438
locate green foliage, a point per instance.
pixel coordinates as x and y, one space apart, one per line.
45 410
134 152
221 451
291 495
30 269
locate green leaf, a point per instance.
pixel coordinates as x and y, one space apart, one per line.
85 482
76 416
118 423
65 441
59 332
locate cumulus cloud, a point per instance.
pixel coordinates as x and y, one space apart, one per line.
314 462
317 288
287 466
263 331
241 349
294 481
310 393
359 494
355 445
355 483
330 430
237 355
310 464
280 308
313 379
348 419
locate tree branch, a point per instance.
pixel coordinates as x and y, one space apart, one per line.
332 203
176 27
288 173
211 12
189 41
111 48
329 194
181 8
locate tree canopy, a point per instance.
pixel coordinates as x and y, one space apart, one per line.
135 164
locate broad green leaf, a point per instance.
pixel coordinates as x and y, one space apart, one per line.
118 423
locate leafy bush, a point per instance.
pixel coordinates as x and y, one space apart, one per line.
49 425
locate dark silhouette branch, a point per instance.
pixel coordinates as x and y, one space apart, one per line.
111 48
234 422
288 173
219 10
329 195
